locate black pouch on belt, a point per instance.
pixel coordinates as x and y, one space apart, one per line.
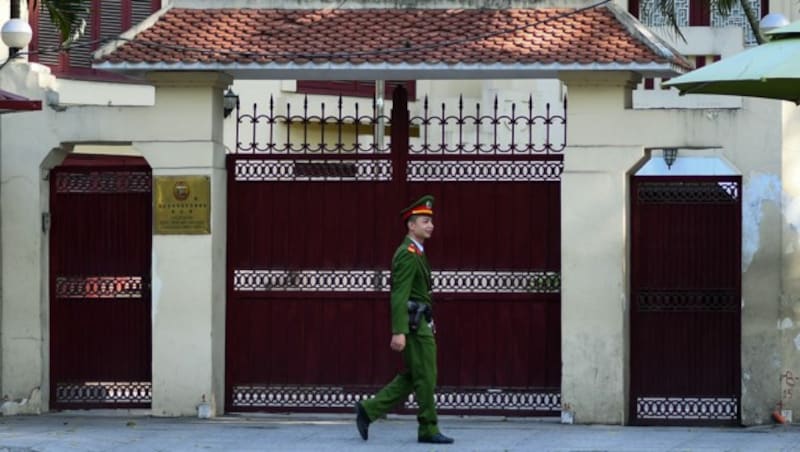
416 311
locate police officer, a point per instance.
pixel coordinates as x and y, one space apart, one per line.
412 330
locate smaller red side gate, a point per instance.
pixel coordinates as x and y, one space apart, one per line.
100 252
685 300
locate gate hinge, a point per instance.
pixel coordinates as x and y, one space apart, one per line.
45 222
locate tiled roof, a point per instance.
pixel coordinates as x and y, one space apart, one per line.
597 37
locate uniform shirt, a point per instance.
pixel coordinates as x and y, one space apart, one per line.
411 280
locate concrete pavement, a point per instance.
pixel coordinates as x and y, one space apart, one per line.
130 432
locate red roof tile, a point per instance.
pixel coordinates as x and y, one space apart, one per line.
392 36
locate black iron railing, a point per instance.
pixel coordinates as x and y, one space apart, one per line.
512 131
493 133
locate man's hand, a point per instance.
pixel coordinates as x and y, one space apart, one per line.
398 342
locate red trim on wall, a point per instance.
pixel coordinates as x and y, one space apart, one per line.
11 102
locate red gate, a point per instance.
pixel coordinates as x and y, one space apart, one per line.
685 300
311 232
100 237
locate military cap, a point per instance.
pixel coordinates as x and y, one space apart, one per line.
422 206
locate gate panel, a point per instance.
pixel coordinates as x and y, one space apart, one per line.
497 241
686 300
100 248
312 228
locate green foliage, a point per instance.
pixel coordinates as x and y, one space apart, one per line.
69 16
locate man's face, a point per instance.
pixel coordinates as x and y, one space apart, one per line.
422 227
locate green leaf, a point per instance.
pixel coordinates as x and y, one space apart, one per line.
67 15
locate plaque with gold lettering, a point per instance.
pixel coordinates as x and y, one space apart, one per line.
182 205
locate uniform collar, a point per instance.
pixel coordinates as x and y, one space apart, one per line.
417 244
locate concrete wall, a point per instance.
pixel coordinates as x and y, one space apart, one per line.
606 140
180 134
23 200
784 196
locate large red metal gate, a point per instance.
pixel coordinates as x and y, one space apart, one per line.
311 232
685 300
100 253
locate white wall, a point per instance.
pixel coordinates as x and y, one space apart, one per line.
181 134
605 141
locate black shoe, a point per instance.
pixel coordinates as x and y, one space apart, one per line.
362 421
436 439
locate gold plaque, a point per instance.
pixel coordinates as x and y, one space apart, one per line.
182 205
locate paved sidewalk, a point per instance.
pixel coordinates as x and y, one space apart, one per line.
115 432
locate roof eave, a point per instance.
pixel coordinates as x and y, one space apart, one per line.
114 44
390 71
654 42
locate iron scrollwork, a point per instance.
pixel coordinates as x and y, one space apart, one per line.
688 192
245 280
517 134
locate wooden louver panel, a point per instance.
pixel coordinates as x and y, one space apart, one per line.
48 39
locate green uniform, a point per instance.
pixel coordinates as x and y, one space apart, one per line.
411 280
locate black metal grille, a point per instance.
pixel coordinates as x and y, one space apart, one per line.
99 287
485 170
496 133
275 133
688 301
105 182
273 396
687 408
379 281
516 132
96 393
256 170
688 192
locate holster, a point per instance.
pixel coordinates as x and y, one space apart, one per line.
416 311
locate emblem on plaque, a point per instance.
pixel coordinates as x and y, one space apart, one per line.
182 204
181 190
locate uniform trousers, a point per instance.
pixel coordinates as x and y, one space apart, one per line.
418 376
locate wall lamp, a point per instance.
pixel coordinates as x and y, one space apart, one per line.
229 102
670 155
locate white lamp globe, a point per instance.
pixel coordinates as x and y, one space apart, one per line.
16 33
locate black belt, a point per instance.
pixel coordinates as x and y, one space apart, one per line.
415 312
